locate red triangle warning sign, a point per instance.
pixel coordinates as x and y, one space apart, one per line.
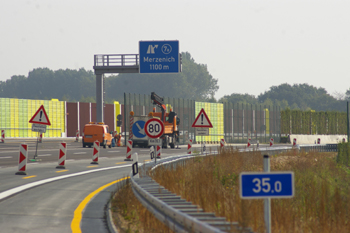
40 117
202 120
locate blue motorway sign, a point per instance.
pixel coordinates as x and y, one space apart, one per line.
266 185
159 56
138 129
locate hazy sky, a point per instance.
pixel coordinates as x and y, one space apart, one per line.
248 45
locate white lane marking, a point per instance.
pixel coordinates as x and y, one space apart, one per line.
113 151
7 157
145 150
79 153
21 188
45 155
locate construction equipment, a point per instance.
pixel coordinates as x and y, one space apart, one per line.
170 122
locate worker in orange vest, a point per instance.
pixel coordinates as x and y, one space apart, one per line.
118 138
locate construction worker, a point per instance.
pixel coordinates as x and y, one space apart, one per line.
117 138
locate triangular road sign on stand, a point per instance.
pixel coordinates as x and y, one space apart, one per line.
40 117
202 120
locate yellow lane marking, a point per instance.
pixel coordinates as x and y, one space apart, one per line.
147 160
120 163
92 166
62 171
75 224
28 177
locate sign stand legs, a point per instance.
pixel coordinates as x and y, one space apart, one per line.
36 149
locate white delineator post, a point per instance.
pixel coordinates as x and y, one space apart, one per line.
40 137
96 152
248 144
294 141
128 150
3 136
158 151
77 135
318 140
151 152
271 141
222 143
22 160
62 155
189 147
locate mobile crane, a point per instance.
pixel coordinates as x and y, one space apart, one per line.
170 122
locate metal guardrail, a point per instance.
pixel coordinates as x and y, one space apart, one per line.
177 213
181 215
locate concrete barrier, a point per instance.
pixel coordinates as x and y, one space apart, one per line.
310 139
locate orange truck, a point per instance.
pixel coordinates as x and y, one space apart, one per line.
97 132
170 122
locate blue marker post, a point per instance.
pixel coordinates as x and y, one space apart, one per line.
266 185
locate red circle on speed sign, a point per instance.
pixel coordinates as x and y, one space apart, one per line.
154 128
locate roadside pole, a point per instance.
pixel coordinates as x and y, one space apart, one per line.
267 201
36 148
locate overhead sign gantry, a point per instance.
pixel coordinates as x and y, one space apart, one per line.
153 57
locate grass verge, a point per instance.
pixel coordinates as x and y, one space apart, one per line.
321 202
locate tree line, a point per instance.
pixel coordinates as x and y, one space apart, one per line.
194 82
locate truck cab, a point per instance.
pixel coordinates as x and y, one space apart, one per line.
97 132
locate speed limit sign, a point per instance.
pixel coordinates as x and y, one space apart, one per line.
154 128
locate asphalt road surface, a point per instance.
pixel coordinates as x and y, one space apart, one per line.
72 199
48 199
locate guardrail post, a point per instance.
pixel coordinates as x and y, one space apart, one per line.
267 201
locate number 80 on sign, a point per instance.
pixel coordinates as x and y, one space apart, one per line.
266 185
154 128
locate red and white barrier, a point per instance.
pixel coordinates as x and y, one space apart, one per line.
294 141
158 152
62 155
96 152
318 140
271 141
128 150
222 143
189 147
22 160
3 136
344 140
77 135
248 144
40 138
